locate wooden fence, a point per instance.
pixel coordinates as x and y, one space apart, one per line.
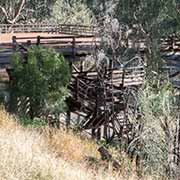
48 28
67 45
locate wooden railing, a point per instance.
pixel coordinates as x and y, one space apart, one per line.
74 40
69 45
49 28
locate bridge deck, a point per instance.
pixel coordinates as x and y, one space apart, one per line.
7 37
69 45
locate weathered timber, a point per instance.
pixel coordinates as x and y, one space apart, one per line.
101 105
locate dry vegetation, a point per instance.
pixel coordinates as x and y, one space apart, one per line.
70 147
28 154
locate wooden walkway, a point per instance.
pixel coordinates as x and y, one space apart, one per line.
73 41
72 47
104 99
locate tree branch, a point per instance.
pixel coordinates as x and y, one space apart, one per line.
17 14
4 12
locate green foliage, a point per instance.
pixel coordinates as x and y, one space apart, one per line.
157 127
143 19
27 122
37 10
154 17
156 132
158 100
43 77
71 12
31 10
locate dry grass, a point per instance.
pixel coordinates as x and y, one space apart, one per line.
28 154
6 120
3 75
71 147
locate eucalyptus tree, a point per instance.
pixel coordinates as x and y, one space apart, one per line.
147 20
13 11
71 12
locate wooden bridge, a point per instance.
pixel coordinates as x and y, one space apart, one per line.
100 99
98 105
72 41
73 47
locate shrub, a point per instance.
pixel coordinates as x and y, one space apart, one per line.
155 141
42 78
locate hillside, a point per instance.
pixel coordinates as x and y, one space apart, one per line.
29 154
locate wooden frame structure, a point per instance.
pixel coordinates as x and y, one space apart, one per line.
101 102
104 102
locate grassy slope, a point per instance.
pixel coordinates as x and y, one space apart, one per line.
28 154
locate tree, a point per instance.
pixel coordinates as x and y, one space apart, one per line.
38 11
156 139
71 12
146 20
13 11
43 79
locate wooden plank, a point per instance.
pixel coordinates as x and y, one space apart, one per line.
26 37
67 37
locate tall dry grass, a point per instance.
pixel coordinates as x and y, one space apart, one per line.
70 146
33 154
26 154
6 120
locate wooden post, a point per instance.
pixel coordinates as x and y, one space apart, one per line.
93 133
14 43
38 40
73 48
81 66
29 43
123 76
95 116
105 136
99 133
77 89
68 120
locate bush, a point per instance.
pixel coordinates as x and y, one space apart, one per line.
41 79
73 12
155 141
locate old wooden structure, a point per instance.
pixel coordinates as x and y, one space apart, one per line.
102 100
107 104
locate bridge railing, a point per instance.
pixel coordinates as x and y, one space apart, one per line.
70 45
49 28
